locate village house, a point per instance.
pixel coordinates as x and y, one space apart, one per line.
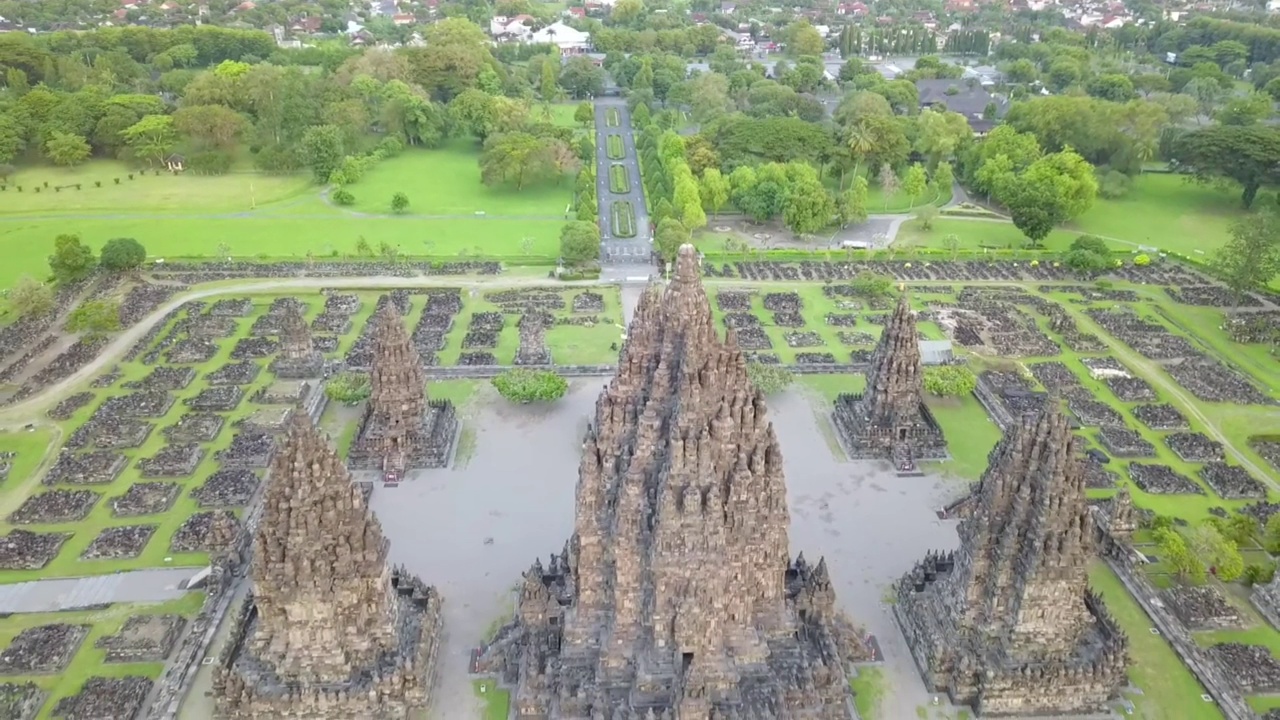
966 97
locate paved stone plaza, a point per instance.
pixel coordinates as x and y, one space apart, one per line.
472 530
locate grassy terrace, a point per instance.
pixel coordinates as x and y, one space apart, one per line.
89 661
1168 688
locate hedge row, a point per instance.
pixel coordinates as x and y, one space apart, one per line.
624 219
619 180
613 146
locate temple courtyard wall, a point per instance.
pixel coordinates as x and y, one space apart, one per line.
473 529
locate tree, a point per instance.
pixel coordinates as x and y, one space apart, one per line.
95 316
1173 548
1214 550
399 203
122 254
803 39
349 388
949 380
668 238
516 156
1247 155
581 78
939 133
1251 257
151 138
30 297
951 243
584 114
524 385
807 207
71 259
548 87
943 179
579 242
889 184
213 126
12 137
926 216
915 182
852 206
769 379
714 189
66 149
1271 534
1052 190
1113 87
1248 109
322 151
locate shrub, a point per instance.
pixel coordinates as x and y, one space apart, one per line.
30 297
94 316
399 203
348 388
1114 185
524 386
579 242
212 162
1091 243
122 254
949 380
769 379
868 284
343 196
1258 574
926 215
1142 260
1085 261
390 146
97 183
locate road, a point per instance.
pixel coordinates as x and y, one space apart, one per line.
631 251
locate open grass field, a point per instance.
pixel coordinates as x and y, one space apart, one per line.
978 234
90 661
1166 211
446 181
496 701
238 191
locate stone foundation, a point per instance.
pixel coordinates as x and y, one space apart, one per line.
306 367
430 446
397 687
864 440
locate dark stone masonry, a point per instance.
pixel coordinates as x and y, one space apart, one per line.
401 429
1007 624
676 595
330 629
889 420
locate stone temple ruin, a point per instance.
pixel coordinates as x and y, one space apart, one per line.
298 358
1008 624
401 429
889 420
675 596
330 630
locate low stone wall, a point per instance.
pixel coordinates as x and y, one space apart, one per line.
990 400
180 672
1220 688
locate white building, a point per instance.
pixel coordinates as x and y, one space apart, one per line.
569 40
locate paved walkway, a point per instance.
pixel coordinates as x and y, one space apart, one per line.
612 249
57 595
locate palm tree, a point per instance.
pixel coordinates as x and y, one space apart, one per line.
860 143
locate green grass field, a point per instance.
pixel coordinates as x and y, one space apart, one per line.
977 235
446 181
1168 212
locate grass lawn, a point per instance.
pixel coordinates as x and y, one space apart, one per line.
828 387
89 661
1169 690
30 448
497 702
969 431
1165 211
234 192
880 202
868 692
446 181
977 235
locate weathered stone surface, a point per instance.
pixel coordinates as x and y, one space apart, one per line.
298 357
144 638
114 698
675 596
20 701
330 631
401 429
889 419
42 649
1008 624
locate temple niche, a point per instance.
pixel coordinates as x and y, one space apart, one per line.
330 631
1007 624
298 358
676 596
401 429
889 419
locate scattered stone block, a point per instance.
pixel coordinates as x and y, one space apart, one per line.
144 638
211 531
165 379
20 701
1232 482
106 699
42 649
145 498
236 373
227 488
25 550
55 506
92 468
218 399
115 543
175 460
195 427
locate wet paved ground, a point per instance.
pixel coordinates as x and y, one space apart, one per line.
472 531
41 596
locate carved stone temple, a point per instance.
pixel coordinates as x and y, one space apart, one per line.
330 631
1007 624
675 598
298 358
401 429
889 420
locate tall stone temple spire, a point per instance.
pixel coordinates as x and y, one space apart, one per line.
331 630
298 357
889 419
675 596
401 429
1008 624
